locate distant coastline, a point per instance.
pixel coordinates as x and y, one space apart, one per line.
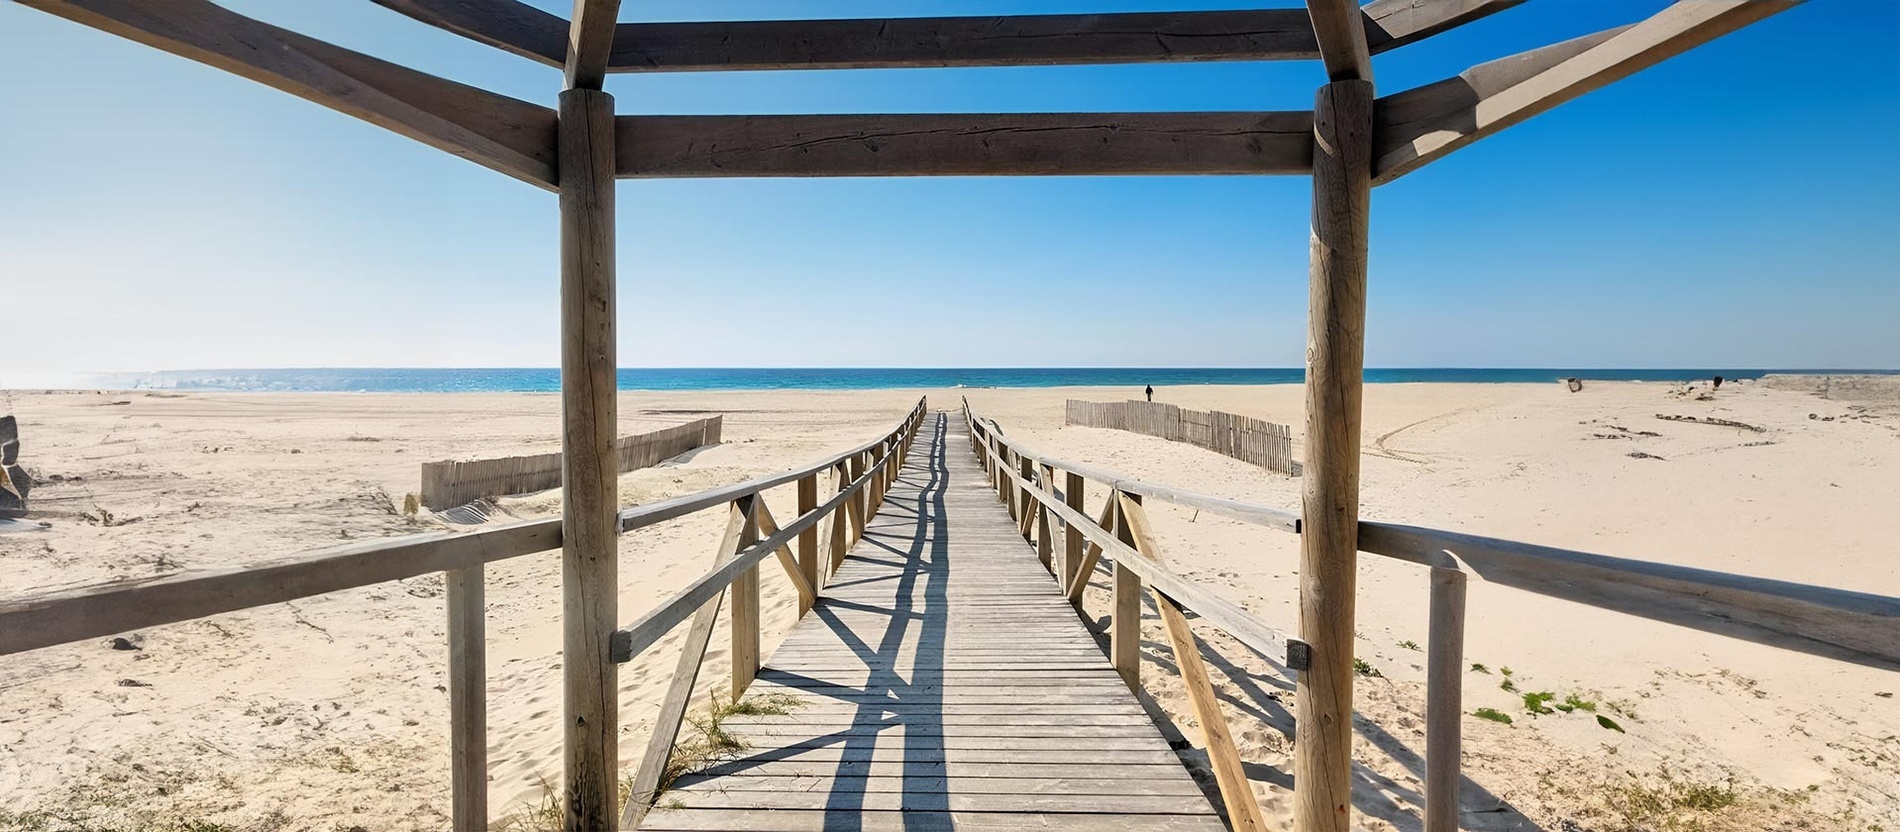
547 380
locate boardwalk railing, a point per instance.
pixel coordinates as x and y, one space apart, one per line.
1245 438
1837 624
860 476
451 483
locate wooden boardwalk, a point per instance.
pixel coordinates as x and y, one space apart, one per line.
942 683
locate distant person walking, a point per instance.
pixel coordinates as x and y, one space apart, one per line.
1151 392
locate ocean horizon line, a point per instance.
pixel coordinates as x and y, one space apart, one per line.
547 379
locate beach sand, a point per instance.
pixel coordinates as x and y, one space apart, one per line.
330 713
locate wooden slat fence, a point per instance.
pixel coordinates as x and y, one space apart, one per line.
450 484
1245 438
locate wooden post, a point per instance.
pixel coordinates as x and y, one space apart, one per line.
745 612
1124 621
1024 503
1045 547
840 517
1444 700
1335 367
468 701
857 503
590 495
1072 493
808 539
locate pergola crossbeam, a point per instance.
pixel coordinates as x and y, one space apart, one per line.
590 39
1421 125
1016 144
514 137
914 42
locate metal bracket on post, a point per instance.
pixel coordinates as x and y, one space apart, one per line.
1299 654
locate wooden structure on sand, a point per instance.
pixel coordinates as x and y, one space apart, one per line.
1350 141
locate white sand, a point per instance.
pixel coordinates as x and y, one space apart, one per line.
329 713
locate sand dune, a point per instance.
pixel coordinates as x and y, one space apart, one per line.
329 713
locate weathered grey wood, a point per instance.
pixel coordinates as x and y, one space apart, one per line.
833 820
1444 699
942 641
468 699
1847 626
1045 544
1243 809
1072 494
509 25
679 693
590 481
1252 440
1339 27
452 483
100 610
1329 494
1124 618
497 132
1394 23
1006 144
590 40
1426 124
786 558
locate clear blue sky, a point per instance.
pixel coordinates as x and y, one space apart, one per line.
1736 206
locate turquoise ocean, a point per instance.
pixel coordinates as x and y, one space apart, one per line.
543 380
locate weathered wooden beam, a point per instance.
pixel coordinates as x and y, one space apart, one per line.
510 136
1028 144
1329 492
468 699
590 475
590 40
1424 124
1391 24
1339 28
911 42
508 25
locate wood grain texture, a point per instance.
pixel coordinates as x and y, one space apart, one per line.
509 25
455 482
1124 617
744 623
1011 144
590 40
1243 809
944 683
679 693
1391 24
468 699
1073 489
1340 30
590 481
1335 371
1444 700
497 132
808 539
1419 126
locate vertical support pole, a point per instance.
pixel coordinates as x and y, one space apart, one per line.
468 700
808 539
1024 503
1045 547
1124 623
1444 699
1335 368
745 611
1072 493
840 517
590 497
857 501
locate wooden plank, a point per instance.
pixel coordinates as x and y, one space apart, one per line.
1004 144
964 774
452 483
1243 809
1391 24
828 820
794 572
1124 618
1151 760
1340 30
590 480
1463 110
96 611
1335 372
1444 699
509 25
590 40
997 781
666 727
1846 626
468 699
1127 804
497 132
